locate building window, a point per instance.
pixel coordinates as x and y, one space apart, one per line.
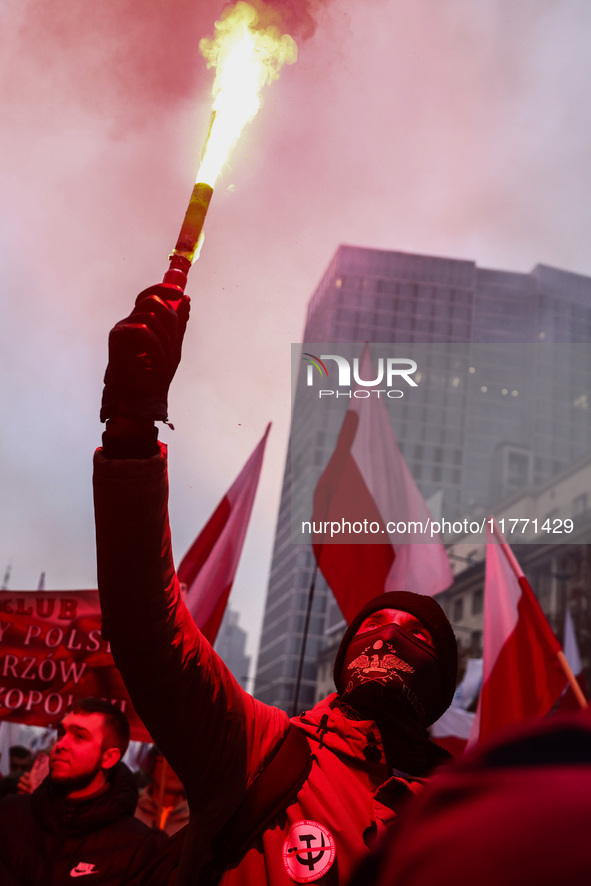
477 602
580 504
458 609
517 469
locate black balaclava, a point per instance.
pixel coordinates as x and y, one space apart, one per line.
397 679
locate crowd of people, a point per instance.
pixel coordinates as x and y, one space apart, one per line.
349 793
512 810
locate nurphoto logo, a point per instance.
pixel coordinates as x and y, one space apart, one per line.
389 371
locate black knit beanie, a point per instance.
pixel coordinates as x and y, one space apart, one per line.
430 613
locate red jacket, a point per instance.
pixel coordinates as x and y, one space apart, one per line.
216 736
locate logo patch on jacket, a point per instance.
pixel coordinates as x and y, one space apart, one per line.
308 852
83 868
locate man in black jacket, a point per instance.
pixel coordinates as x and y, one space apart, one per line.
80 821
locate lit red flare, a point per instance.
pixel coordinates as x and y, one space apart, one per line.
245 56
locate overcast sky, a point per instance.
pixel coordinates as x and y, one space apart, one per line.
458 128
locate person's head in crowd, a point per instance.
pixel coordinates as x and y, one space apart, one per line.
515 810
21 760
93 736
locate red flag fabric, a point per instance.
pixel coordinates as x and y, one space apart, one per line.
368 492
52 653
209 566
522 676
569 702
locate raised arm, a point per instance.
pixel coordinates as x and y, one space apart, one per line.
215 736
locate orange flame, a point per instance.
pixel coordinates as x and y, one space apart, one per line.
245 59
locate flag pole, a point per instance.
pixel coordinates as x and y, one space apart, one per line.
161 787
573 682
296 693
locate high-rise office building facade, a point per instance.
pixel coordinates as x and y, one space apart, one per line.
501 404
230 645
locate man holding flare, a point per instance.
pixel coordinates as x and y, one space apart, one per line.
350 762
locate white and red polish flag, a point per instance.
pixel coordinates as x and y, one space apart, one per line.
522 675
208 568
453 728
367 478
569 701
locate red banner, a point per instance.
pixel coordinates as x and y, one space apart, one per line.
52 653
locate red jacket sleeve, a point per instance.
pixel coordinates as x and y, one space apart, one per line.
214 735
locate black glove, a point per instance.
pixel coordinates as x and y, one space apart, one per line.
144 352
